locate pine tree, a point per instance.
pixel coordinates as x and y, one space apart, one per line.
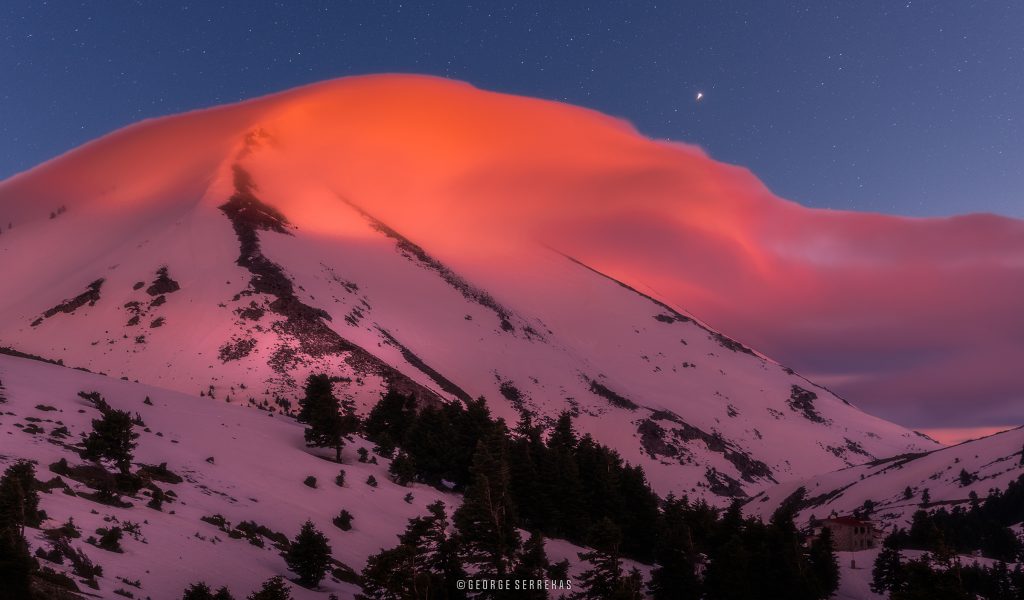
16 564
424 565
327 419
19 499
318 391
486 521
727 574
631 587
780 558
470 427
823 563
390 419
887 573
309 555
344 520
272 589
640 516
526 451
532 564
563 486
392 575
197 591
429 443
603 580
111 438
563 435
675 576
201 591
402 469
601 470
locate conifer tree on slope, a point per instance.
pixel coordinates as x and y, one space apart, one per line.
526 452
428 443
328 420
675 576
201 591
486 521
19 506
887 573
824 566
423 566
389 420
604 579
111 438
309 555
727 574
532 564
19 499
272 589
471 426
561 477
784 568
16 564
402 469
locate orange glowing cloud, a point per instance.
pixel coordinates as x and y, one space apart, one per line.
917 320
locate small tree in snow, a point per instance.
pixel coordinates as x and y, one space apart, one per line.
201 591
273 589
343 521
309 555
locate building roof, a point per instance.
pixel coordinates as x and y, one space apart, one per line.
847 521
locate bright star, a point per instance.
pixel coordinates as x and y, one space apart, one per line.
700 96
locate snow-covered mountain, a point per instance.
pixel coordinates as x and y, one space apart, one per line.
949 475
230 252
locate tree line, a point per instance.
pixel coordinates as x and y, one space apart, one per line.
556 483
983 528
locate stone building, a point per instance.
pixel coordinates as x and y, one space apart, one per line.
849 533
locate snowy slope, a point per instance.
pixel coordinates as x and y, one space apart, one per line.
992 461
233 251
240 463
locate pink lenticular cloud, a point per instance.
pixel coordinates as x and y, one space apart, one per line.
916 320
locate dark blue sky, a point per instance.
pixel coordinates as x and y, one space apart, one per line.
901 107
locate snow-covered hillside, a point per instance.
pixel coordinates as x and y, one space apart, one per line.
237 463
227 253
987 463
